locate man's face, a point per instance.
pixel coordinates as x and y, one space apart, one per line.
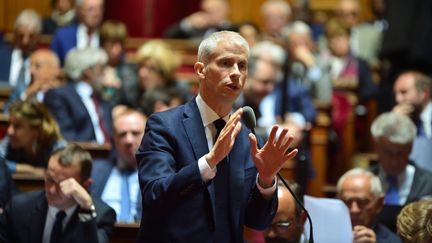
91 13
393 157
348 12
55 174
223 78
261 83
286 226
129 130
26 38
297 41
339 45
43 66
406 92
362 204
275 19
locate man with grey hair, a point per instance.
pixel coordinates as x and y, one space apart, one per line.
14 59
84 33
77 106
203 178
403 182
276 15
362 192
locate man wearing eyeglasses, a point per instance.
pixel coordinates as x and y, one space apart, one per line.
287 225
362 192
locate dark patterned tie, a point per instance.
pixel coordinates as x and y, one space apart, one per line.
57 229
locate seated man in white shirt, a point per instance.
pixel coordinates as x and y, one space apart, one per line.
115 181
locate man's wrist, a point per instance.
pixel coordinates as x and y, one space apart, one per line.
86 214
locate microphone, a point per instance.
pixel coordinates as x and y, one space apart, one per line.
297 70
250 122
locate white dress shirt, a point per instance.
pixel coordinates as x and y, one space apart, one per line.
426 118
85 91
15 67
50 219
83 38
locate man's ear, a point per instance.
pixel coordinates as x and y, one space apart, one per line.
200 70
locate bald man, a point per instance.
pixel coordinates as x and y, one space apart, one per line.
287 225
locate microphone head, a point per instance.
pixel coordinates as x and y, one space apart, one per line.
249 117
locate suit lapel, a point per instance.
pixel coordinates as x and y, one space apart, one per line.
37 224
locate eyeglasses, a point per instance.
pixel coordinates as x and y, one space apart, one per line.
361 202
281 226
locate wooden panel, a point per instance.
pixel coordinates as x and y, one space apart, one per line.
124 233
13 7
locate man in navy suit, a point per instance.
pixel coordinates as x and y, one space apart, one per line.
116 181
78 108
15 64
202 175
64 211
82 34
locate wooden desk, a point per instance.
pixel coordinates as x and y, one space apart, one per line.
124 233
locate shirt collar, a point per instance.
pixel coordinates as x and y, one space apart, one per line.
208 115
52 211
426 114
84 89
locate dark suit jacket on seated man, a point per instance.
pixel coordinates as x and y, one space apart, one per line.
197 190
64 210
78 108
116 181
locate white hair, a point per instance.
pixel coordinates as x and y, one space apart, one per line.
395 127
298 27
78 60
280 4
375 182
29 17
209 44
276 52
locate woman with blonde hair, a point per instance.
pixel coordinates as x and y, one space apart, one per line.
32 135
157 64
414 222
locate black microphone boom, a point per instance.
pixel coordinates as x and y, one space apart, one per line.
250 122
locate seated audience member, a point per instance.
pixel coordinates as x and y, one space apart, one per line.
116 181
84 32
32 135
64 211
45 73
362 192
160 99
287 225
403 182
7 185
304 66
113 36
15 66
80 111
413 96
276 15
414 223
365 38
250 31
62 14
157 63
212 17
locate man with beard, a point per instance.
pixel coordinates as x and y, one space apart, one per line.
362 192
413 97
78 108
287 225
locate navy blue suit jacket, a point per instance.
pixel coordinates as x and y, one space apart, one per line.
177 205
64 39
24 220
5 61
71 114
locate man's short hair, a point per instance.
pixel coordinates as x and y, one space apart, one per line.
209 44
275 51
395 127
297 190
298 27
421 80
375 182
280 4
29 17
73 154
79 60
